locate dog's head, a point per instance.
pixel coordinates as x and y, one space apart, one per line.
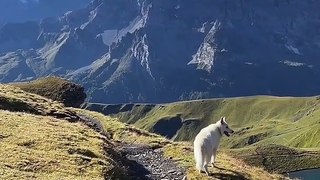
224 128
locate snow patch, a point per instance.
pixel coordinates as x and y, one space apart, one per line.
248 63
292 63
141 52
293 49
114 35
90 68
224 50
202 29
204 58
110 36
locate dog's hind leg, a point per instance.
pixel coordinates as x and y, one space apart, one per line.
199 157
207 162
200 165
213 157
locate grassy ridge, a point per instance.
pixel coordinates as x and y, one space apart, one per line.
257 120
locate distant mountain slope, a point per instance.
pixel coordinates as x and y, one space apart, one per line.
169 50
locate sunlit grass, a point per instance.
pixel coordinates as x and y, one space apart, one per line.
47 148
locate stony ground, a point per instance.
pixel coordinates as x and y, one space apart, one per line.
147 163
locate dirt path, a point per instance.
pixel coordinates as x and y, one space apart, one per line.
147 163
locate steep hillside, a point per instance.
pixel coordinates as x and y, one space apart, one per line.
39 141
42 139
259 119
260 122
170 50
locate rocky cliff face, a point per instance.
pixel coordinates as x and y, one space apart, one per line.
157 51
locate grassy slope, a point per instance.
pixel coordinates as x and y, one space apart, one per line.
287 121
44 147
35 144
259 121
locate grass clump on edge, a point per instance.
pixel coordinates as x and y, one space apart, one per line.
55 88
41 147
16 100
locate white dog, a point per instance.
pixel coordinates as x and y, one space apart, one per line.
206 143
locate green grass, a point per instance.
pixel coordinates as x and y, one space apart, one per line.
286 121
259 122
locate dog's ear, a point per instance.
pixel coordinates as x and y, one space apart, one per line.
223 120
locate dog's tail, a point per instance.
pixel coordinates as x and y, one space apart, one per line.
198 157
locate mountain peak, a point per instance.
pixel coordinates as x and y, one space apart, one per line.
178 49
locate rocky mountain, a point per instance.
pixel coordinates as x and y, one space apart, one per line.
159 51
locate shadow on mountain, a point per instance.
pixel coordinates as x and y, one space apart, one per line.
168 126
